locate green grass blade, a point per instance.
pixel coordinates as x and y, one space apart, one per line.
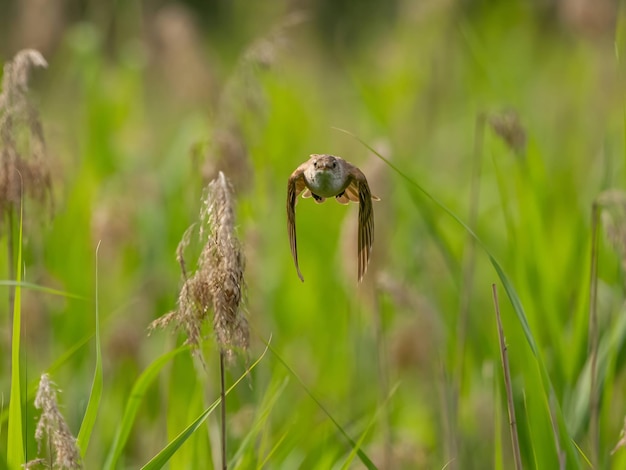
362 456
56 365
250 440
497 429
159 460
359 443
44 289
572 454
582 454
15 440
272 451
132 405
91 413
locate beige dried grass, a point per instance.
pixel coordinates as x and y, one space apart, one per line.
53 429
218 283
24 165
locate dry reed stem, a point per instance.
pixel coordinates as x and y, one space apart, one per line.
507 382
52 426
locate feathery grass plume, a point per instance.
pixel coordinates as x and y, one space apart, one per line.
24 167
508 127
217 284
613 218
243 96
53 426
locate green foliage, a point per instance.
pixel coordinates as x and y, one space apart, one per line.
137 120
15 438
95 395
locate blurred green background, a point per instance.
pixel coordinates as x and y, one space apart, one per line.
143 102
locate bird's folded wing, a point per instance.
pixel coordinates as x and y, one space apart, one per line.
295 186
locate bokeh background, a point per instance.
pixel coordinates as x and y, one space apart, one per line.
511 113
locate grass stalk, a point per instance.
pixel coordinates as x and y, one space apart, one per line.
15 439
594 412
383 380
95 395
469 264
507 383
10 252
223 411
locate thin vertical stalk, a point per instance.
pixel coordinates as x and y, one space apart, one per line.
593 337
507 382
383 379
223 411
10 260
469 263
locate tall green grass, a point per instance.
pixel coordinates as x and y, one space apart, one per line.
123 131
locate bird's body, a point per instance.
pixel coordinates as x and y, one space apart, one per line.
325 176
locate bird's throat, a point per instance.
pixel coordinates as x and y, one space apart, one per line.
326 183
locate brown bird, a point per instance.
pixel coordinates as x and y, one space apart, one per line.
324 176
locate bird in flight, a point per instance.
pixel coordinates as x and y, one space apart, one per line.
325 176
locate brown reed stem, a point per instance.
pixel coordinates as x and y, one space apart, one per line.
223 409
507 382
593 337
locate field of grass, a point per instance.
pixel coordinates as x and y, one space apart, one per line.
494 135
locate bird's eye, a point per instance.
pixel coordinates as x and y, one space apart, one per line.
315 163
334 164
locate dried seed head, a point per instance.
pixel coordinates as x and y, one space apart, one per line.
223 263
53 426
508 127
242 97
613 219
23 164
217 284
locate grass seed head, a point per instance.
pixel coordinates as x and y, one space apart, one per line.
508 127
217 284
613 220
223 264
243 105
24 167
53 426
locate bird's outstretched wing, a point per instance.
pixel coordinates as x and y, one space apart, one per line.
359 189
294 187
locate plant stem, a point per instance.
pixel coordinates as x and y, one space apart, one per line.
383 377
223 410
507 382
469 263
10 260
593 337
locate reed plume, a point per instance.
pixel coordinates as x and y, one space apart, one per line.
24 167
217 285
52 426
242 105
508 127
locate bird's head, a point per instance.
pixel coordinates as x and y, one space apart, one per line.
324 162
